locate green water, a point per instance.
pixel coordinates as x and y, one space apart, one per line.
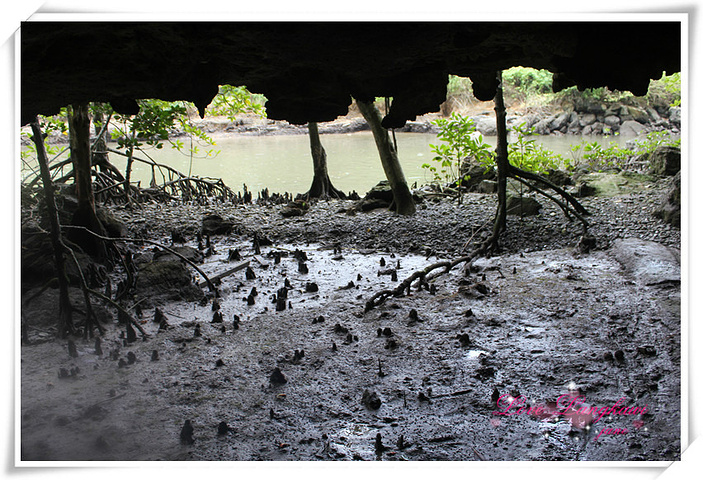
282 163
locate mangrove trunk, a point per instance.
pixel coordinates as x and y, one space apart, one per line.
403 202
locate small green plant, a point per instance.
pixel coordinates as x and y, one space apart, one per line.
596 158
460 141
652 140
526 154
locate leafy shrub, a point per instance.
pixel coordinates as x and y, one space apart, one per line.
460 141
666 90
652 140
526 154
523 82
597 158
231 101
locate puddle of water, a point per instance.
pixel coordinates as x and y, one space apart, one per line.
338 276
355 440
475 353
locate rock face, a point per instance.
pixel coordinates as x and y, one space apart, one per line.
670 210
310 71
649 263
665 160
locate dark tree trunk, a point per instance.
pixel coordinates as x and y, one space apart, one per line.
65 324
321 184
84 216
403 202
501 160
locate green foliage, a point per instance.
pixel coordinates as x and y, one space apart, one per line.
601 94
666 90
526 154
523 82
155 124
56 125
459 86
231 101
652 140
460 141
598 158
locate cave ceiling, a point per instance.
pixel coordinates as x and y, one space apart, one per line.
311 71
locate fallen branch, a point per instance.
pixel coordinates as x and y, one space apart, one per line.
447 265
226 273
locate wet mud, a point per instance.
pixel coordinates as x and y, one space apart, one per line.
288 366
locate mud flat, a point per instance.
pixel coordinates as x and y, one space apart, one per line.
421 377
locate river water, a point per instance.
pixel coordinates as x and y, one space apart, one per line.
282 163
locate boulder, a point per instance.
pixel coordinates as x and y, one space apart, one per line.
587 119
585 190
654 115
380 196
675 116
169 280
665 160
631 128
113 227
474 173
382 191
597 128
487 186
216 225
560 121
559 177
638 114
649 263
486 125
589 105
542 127
612 120
522 206
670 209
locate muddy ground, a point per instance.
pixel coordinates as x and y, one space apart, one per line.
535 323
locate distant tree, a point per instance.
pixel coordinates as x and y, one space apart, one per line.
403 202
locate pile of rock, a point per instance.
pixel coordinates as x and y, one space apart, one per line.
593 119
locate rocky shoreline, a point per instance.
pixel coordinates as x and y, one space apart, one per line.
587 118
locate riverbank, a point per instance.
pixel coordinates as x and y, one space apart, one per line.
587 118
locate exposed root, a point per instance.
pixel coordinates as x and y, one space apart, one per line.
429 272
209 283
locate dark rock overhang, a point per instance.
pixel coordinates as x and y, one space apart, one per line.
310 71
